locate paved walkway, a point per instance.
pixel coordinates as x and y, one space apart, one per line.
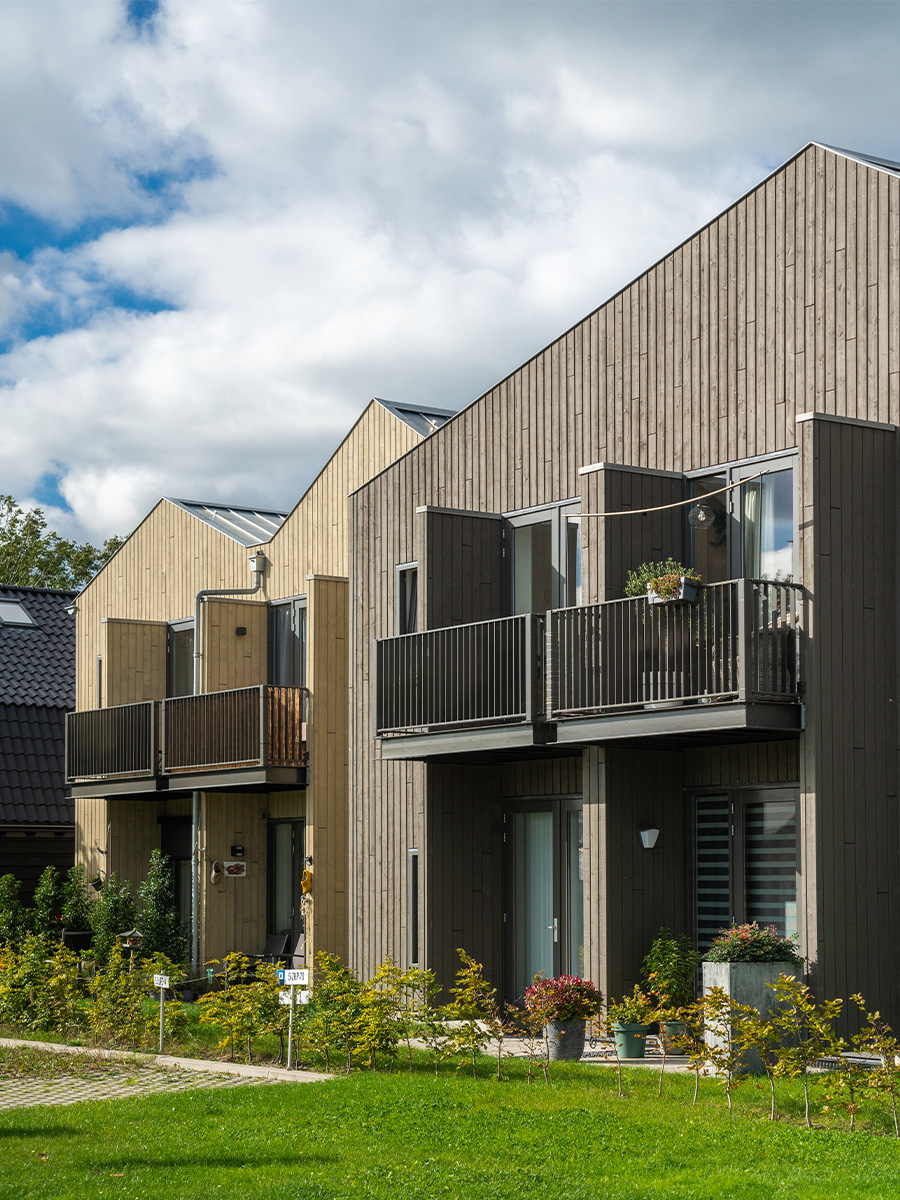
124 1074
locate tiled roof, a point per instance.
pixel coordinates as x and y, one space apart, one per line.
37 662
249 526
32 747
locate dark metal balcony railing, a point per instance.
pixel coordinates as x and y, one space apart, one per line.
255 726
741 640
486 673
247 727
105 742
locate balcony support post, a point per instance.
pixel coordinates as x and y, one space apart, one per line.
745 640
263 715
551 669
195 882
529 667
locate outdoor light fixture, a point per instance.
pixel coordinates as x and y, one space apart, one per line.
648 838
97 882
701 516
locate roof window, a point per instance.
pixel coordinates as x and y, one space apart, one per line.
13 613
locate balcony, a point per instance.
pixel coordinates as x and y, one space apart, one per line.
728 666
251 737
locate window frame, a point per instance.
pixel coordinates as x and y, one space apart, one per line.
558 514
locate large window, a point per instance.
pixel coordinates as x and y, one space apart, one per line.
287 643
543 559
753 528
745 861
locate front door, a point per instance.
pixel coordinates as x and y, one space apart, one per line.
543 917
287 851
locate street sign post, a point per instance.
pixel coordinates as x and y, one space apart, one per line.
299 976
293 977
162 982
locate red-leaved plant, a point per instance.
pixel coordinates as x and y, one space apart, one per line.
565 998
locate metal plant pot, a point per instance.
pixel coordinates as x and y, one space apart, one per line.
565 1040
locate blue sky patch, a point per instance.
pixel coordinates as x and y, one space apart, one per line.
46 490
140 13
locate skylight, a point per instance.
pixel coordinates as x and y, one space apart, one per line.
12 613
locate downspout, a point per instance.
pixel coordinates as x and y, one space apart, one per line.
258 564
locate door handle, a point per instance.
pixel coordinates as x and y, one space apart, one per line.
555 928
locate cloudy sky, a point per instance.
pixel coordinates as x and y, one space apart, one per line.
224 225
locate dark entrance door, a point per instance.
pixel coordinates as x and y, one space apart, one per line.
543 921
287 850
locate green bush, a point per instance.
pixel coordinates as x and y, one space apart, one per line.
663 577
49 897
669 970
76 908
113 913
164 931
11 912
753 943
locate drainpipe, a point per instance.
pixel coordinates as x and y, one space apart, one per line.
258 564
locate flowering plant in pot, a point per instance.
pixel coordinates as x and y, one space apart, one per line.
563 1004
630 1020
663 582
753 943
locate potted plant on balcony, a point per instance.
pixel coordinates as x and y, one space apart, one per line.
744 961
669 972
667 582
630 1020
564 1004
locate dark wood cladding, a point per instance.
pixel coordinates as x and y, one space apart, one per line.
787 303
849 763
462 568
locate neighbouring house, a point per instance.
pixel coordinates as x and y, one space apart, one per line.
544 771
37 688
212 705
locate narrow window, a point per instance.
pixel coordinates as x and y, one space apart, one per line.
407 597
573 561
412 908
99 681
181 659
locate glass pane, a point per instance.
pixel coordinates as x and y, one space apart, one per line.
181 869
767 519
181 661
710 543
770 838
533 558
282 877
712 854
575 891
289 644
532 898
408 599
573 561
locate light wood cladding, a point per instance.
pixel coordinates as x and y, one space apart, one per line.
230 660
134 661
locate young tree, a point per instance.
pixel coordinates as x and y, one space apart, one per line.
49 897
76 908
163 929
11 912
113 913
806 1030
473 999
31 555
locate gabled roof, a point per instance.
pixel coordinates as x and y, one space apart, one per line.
248 526
37 661
871 160
417 416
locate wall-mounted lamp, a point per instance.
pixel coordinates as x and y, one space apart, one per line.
72 609
648 838
99 851
309 860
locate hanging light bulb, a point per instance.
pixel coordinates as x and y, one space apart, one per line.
701 516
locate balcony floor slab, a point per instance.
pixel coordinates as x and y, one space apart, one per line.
488 740
698 723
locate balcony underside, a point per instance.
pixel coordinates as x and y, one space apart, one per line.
248 779
660 728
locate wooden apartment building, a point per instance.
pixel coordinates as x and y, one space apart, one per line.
543 771
213 725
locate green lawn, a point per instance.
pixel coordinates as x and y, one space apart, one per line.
397 1136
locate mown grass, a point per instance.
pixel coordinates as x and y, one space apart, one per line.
377 1135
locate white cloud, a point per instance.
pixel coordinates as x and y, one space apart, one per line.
395 199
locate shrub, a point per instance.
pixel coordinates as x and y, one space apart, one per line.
113 913
76 907
565 998
164 931
669 970
246 1006
473 1001
753 943
635 1009
49 897
11 912
118 994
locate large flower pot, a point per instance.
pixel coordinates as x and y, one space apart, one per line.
630 1039
746 983
565 1040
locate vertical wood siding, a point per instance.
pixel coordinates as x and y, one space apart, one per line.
788 302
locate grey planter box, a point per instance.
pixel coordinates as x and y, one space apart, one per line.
565 1040
746 983
687 593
